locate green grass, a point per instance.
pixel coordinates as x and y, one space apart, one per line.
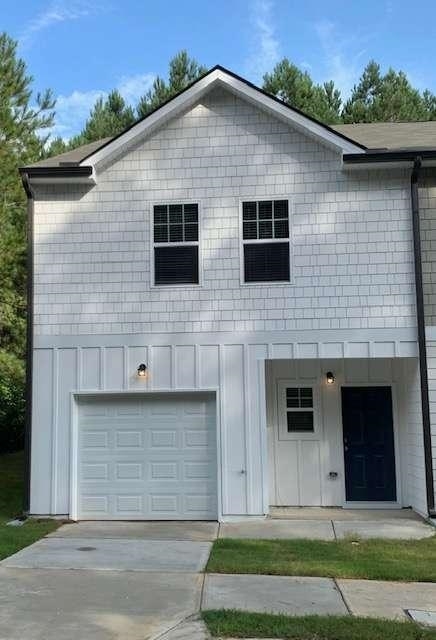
13 539
239 624
407 560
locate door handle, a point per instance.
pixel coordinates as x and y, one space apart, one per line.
346 448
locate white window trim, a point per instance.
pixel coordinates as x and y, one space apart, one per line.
242 242
191 243
283 433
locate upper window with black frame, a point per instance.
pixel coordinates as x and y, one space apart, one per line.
299 409
265 236
175 235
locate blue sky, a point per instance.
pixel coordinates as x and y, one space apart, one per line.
84 48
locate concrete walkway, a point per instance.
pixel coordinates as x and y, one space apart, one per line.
144 581
332 524
298 596
132 581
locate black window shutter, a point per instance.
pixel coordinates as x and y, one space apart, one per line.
266 262
176 265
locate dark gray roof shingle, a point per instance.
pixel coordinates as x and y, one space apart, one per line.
391 135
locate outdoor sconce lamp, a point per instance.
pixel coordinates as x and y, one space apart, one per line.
142 370
330 378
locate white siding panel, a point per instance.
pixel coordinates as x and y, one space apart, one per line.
114 368
41 469
356 371
309 472
256 438
185 367
209 366
91 369
161 367
66 381
233 430
380 370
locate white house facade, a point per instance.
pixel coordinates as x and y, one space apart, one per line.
225 319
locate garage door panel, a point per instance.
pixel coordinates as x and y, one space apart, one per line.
147 458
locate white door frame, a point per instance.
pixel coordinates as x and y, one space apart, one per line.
74 440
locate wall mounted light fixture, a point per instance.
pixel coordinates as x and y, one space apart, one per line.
330 378
142 370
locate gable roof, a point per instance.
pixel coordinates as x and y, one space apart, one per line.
99 151
351 139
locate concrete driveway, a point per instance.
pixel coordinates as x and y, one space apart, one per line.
104 581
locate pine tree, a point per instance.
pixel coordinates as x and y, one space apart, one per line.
183 70
289 83
20 144
109 117
387 98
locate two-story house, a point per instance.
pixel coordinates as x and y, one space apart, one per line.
227 314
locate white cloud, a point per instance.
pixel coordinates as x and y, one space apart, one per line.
56 12
133 87
342 56
73 110
265 45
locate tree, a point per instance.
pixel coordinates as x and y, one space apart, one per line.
57 145
108 117
387 98
21 143
297 88
183 70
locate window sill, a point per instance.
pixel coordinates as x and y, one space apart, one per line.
275 283
176 286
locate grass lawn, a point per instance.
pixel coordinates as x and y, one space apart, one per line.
408 560
13 539
238 624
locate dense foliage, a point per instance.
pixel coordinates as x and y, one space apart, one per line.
21 142
24 117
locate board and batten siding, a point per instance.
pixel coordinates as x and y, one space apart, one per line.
236 372
230 369
300 467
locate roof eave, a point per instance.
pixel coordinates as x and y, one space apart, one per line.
219 76
71 174
389 159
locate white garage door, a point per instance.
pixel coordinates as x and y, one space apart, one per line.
147 458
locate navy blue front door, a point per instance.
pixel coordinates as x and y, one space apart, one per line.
368 444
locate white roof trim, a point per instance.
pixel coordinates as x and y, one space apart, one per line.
196 91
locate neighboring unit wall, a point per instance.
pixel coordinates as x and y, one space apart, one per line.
427 197
427 206
431 366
